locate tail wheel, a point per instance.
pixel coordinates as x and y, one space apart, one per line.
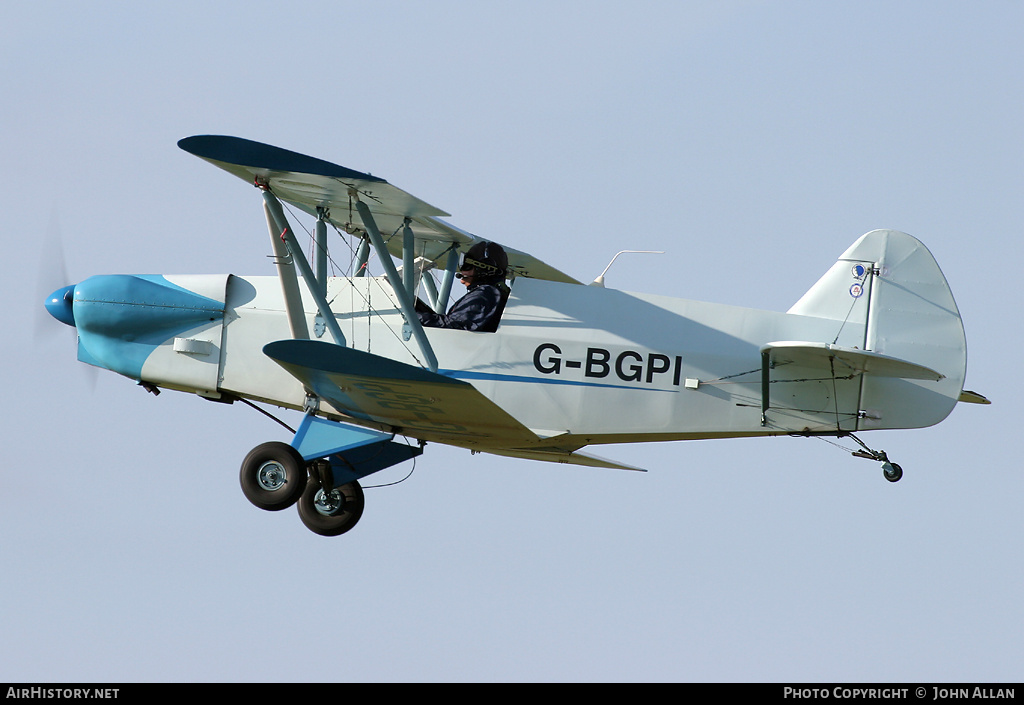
331 513
273 476
892 471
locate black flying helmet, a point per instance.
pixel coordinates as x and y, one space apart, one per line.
488 258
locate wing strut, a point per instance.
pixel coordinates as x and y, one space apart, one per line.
408 259
321 251
765 388
362 257
449 278
431 291
438 300
404 296
295 252
289 282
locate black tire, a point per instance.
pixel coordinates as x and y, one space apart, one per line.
273 476
895 475
336 515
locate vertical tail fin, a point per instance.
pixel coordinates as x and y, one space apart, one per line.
888 295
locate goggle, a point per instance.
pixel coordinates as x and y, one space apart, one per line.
468 263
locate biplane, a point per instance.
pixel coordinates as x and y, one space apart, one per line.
876 343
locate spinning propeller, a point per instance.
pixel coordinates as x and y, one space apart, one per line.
53 272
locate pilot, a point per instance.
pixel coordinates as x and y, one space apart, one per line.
483 272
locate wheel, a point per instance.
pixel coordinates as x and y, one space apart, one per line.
331 513
892 471
273 476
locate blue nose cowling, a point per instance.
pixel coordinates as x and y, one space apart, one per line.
60 304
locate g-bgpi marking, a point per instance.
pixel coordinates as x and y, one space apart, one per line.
628 365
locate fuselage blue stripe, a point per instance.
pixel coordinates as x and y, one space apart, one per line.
496 377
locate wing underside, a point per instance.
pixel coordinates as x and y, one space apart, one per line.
408 399
416 402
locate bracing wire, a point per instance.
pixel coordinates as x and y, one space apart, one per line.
870 273
266 413
365 298
396 482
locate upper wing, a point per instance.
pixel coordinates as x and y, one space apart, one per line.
310 183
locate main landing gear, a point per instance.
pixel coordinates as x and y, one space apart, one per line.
320 472
274 477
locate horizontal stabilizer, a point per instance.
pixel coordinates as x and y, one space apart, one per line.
973 398
845 360
409 400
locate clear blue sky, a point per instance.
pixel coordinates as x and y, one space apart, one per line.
753 141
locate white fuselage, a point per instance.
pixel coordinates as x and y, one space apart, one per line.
585 364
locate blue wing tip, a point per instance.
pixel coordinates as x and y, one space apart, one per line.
249 153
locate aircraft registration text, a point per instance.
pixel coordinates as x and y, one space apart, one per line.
601 363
